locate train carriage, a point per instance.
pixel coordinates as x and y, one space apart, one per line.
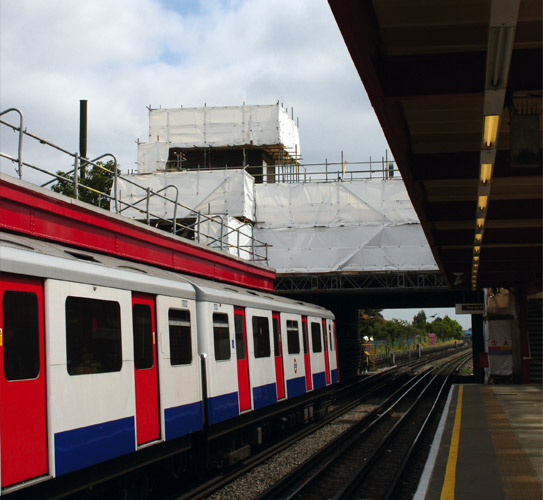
103 357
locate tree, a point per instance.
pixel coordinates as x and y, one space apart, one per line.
419 321
446 328
99 178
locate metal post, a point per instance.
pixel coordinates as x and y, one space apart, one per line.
83 133
76 173
147 206
20 146
222 231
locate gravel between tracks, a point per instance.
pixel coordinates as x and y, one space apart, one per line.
265 475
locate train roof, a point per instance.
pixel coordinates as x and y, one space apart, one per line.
33 257
211 291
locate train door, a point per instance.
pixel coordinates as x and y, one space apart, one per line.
145 368
335 344
325 348
244 390
278 356
307 361
23 438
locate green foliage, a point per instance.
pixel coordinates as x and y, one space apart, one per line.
99 178
399 334
446 329
420 321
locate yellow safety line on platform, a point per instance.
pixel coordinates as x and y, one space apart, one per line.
447 492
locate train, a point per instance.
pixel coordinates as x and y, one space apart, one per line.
104 358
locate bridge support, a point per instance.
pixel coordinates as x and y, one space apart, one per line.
349 343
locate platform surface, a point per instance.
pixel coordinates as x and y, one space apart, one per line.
489 445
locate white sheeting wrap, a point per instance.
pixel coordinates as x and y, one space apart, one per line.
224 126
217 192
234 234
152 156
341 226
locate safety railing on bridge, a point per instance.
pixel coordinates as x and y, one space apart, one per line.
343 171
255 250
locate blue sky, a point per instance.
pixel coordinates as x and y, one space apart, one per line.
125 55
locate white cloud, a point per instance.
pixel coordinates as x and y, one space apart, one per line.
125 55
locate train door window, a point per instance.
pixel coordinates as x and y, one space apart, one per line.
330 336
142 324
261 336
93 336
180 337
240 336
221 336
316 337
275 323
293 337
304 336
21 337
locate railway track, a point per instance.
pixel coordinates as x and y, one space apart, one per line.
369 459
368 391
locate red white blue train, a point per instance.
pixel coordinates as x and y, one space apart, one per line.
102 357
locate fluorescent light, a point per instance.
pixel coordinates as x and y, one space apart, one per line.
475 258
478 238
486 172
480 223
490 133
482 203
477 249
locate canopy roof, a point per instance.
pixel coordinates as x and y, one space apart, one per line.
432 71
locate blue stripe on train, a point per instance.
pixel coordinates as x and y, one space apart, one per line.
79 448
222 407
264 395
319 380
334 376
181 420
295 386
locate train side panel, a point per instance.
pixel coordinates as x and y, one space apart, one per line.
179 367
23 433
332 350
316 349
261 360
291 326
216 337
90 384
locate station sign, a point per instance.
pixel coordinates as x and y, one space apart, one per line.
474 308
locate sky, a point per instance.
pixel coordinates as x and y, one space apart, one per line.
125 55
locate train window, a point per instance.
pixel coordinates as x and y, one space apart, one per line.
261 336
142 324
93 336
180 337
21 335
293 337
221 336
276 336
304 335
331 342
240 336
316 337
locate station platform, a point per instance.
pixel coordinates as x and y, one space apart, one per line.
489 445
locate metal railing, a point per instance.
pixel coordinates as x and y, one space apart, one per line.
384 168
255 251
